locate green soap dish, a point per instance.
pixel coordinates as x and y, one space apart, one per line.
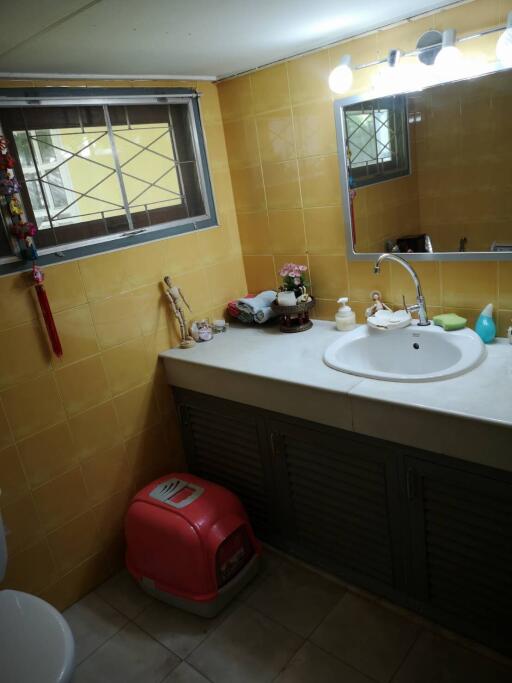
450 321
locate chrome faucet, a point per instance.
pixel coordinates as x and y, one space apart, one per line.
420 305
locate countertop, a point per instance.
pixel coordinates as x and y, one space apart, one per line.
469 416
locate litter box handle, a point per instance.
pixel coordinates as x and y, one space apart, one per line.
166 490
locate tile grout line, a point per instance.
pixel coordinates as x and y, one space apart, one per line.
406 656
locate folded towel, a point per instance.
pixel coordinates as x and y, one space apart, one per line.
257 302
258 307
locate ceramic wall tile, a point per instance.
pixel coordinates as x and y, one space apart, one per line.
74 542
259 270
77 335
12 476
314 128
22 523
47 454
328 275
254 232
308 77
25 354
282 185
61 499
287 232
64 286
83 385
126 365
95 430
242 142
276 135
319 181
31 406
270 88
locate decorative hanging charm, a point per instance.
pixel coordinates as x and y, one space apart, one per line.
24 232
44 304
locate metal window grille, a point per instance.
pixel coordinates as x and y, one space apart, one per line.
93 170
377 140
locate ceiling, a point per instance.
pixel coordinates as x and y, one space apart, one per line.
200 38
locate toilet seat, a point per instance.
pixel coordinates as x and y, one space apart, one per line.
36 644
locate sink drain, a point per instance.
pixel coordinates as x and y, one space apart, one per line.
416 346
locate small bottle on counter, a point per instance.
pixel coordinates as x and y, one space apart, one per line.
345 317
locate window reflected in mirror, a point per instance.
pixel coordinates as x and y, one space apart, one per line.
439 182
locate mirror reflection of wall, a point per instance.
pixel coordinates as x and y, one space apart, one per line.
457 193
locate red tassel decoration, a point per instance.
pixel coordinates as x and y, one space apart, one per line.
46 311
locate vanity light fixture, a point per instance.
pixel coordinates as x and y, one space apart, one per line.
433 48
341 77
449 59
504 45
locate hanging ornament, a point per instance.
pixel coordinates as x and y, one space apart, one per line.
46 311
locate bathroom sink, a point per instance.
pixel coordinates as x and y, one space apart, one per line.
410 354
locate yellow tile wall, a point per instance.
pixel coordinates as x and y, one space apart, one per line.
282 150
79 435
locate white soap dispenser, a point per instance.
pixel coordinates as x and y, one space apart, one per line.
345 316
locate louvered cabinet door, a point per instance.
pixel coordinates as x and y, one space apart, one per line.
225 443
461 528
342 495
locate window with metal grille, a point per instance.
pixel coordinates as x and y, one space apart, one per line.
93 170
377 140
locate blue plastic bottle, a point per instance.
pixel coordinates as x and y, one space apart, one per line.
485 327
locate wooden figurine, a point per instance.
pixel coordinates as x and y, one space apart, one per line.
176 299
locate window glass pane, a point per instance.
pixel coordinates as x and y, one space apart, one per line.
73 167
153 143
80 170
377 140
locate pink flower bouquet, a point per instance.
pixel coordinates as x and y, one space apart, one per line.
294 277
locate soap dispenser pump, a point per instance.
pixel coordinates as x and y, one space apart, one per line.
485 327
345 316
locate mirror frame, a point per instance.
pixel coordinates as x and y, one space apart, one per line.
352 255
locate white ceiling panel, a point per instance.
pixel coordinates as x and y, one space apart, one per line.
210 38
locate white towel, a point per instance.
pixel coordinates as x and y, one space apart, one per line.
259 306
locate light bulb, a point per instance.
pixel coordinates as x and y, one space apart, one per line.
449 61
341 77
504 45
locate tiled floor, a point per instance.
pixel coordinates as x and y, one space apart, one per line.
291 625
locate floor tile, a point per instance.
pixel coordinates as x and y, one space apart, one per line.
131 656
434 658
296 597
123 593
185 674
269 563
178 630
246 647
312 664
366 635
92 622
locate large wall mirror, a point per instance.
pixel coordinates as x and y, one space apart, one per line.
429 173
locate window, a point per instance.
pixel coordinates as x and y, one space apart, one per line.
377 140
109 168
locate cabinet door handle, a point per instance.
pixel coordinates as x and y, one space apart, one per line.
275 443
411 484
185 419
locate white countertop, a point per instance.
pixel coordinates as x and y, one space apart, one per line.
286 373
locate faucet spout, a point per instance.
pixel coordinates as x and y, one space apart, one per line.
420 305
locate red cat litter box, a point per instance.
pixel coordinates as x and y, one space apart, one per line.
190 543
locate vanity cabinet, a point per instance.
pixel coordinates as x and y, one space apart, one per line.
339 499
461 547
429 532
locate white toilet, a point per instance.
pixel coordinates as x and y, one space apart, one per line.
36 643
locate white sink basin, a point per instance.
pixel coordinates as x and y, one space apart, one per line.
411 354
